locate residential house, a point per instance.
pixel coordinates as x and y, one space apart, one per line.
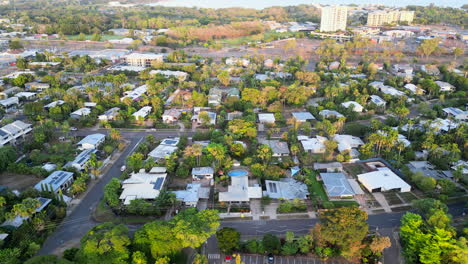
445 86
192 194
142 113
403 70
355 106
92 141
80 113
279 148
179 75
414 89
456 113
234 115
10 133
313 145
239 191
164 149
432 70
348 143
266 118
377 100
302 116
19 220
330 114
55 182
382 180
54 104
10 104
110 114
216 94
287 188
426 168
36 86
143 185
328 167
172 115
200 173
28 96
211 115
135 94
338 186
81 159
238 61
90 104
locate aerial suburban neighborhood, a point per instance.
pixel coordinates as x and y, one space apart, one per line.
180 132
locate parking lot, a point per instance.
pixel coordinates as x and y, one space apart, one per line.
262 259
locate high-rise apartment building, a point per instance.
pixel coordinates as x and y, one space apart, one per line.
380 18
333 18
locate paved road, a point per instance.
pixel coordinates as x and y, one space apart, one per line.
79 221
385 224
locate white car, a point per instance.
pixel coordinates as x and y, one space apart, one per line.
123 168
73 129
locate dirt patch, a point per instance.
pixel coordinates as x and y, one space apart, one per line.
18 182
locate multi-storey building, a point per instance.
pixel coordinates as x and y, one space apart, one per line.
379 18
333 18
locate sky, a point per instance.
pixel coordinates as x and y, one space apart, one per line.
259 4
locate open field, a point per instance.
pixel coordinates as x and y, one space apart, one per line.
18 182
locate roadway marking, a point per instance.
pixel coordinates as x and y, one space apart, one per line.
214 256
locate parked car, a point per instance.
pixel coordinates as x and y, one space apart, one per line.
123 168
73 129
271 259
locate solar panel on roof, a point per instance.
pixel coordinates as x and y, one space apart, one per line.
157 185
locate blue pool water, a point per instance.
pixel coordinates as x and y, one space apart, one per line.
235 173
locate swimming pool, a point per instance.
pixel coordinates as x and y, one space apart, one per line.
235 173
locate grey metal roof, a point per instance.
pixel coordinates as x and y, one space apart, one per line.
336 184
55 180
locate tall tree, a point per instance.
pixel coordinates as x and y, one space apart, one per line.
344 228
105 243
228 239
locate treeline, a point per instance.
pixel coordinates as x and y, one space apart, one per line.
53 18
232 30
156 242
439 15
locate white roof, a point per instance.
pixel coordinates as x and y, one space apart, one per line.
82 112
385 179
239 191
377 100
148 56
347 142
328 113
142 185
92 139
25 94
445 86
391 91
314 144
303 116
9 101
357 107
266 117
54 104
143 112
162 151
